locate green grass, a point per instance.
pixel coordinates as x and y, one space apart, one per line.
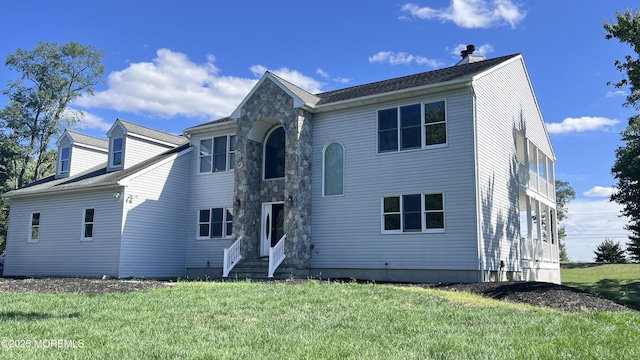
619 282
317 320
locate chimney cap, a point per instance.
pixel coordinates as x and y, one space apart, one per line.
468 51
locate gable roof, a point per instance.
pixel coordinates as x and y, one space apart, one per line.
94 177
83 139
144 131
457 72
453 74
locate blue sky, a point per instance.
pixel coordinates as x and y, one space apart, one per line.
171 65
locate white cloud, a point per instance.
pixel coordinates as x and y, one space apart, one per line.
585 123
322 73
93 121
338 80
402 58
616 93
471 13
170 85
599 191
293 76
588 223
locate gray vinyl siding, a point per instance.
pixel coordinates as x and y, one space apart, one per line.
347 229
211 190
153 240
83 158
137 150
505 104
59 251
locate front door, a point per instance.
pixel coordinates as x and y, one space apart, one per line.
272 226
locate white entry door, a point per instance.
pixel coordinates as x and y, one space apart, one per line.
272 226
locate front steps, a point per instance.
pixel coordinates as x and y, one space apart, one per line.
258 270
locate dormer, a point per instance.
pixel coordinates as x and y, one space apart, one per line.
78 152
130 144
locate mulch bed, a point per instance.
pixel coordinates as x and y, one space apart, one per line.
549 295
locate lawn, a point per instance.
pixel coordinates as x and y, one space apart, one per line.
619 282
315 320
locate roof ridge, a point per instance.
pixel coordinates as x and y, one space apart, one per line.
431 77
179 139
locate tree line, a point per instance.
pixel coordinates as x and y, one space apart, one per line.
51 77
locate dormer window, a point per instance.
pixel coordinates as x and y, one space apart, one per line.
64 160
116 152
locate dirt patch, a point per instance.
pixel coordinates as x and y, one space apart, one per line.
79 285
550 295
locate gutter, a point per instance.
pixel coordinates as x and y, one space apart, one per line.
109 184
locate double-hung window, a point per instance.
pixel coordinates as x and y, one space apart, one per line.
217 154
215 223
413 213
87 224
116 152
34 227
414 126
64 160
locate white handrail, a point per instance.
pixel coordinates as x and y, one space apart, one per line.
231 257
276 255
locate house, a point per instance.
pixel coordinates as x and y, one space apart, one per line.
442 176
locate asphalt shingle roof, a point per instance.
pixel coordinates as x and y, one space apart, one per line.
79 138
390 85
152 133
94 177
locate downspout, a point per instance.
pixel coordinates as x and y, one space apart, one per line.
480 242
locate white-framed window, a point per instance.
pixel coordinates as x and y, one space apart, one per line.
117 148
87 224
34 227
415 126
217 154
65 155
422 212
274 154
215 223
333 169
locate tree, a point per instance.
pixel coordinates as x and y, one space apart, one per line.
626 169
610 252
564 195
52 76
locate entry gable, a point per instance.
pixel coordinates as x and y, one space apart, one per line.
301 98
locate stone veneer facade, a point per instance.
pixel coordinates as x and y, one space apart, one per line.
268 107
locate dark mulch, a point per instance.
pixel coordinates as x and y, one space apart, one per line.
550 295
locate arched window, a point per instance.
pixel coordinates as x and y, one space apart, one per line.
333 169
274 153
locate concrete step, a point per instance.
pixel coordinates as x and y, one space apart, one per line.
258 270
